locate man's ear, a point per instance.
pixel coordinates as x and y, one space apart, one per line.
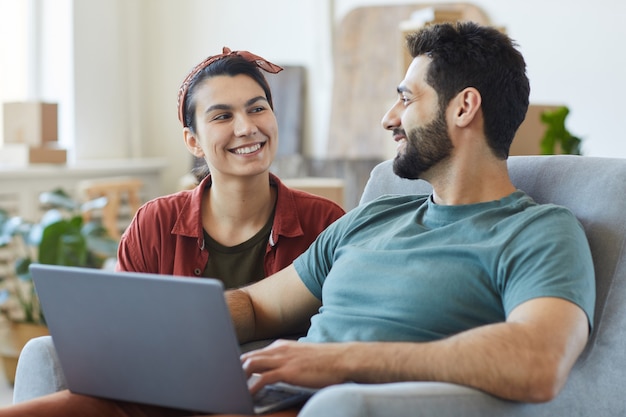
192 143
467 104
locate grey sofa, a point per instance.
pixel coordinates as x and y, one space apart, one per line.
595 190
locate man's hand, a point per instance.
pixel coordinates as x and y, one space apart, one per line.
306 364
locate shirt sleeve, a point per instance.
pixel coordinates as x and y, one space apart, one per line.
315 263
130 253
550 257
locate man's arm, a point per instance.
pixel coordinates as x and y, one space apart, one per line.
277 306
527 358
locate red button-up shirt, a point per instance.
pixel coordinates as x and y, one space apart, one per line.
166 235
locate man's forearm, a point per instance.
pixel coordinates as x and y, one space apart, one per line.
488 361
519 361
242 312
498 368
277 306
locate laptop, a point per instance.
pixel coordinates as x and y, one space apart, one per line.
152 339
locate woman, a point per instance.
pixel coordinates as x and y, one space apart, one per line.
240 224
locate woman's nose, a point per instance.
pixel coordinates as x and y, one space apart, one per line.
244 126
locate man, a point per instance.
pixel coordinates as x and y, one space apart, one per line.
475 284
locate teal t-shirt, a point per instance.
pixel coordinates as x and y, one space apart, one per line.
403 268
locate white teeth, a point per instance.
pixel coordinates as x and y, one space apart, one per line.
247 149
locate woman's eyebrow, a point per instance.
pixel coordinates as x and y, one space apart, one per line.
218 107
255 99
229 107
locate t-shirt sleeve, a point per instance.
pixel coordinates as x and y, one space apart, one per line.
549 258
315 263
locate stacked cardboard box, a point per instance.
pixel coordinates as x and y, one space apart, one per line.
31 134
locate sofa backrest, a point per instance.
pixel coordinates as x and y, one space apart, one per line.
594 189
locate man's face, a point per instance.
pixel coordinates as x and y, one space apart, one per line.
418 124
426 146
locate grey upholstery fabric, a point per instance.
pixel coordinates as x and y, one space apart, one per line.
595 190
38 370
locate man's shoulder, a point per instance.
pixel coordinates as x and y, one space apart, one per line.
395 200
384 208
546 210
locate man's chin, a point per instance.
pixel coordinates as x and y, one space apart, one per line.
401 169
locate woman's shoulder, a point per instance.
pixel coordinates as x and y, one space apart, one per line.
166 204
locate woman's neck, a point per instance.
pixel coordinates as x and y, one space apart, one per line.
234 210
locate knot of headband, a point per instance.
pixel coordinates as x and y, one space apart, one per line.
255 59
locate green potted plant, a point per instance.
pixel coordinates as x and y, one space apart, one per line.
61 237
557 135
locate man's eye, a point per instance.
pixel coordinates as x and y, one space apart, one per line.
257 109
405 100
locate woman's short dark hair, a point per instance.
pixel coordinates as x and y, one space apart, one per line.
231 65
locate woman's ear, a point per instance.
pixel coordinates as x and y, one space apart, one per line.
192 143
468 103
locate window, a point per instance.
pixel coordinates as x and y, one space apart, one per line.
15 51
36 57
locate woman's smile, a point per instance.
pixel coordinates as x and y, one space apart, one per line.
247 149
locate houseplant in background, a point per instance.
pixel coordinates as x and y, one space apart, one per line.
556 135
61 237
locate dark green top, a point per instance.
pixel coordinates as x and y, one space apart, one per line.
241 264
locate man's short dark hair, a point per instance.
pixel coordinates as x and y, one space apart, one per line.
466 54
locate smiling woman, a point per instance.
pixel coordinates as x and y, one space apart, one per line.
240 224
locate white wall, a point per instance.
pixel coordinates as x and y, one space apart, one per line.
55 80
131 56
575 56
101 80
179 34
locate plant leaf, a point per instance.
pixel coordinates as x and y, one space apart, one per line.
94 204
58 199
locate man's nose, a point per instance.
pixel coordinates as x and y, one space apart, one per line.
391 119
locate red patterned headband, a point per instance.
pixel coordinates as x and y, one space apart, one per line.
184 88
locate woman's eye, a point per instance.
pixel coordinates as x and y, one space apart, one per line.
223 116
405 100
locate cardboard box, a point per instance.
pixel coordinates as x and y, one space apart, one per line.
30 122
527 140
23 154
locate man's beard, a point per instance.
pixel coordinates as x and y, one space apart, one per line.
425 147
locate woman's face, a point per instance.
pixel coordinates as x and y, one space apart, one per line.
236 130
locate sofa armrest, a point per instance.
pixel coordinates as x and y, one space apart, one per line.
414 399
38 370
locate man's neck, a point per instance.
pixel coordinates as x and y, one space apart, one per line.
464 184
